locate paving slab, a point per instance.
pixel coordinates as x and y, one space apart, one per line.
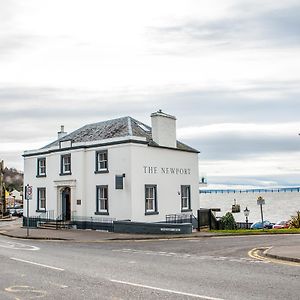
285 253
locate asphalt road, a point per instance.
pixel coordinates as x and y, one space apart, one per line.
204 268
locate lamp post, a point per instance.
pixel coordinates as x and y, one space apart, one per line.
246 213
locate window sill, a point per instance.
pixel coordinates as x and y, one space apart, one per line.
186 210
38 176
41 210
64 174
101 172
104 213
149 213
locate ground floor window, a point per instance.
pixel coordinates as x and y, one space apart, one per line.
41 199
151 199
102 199
185 197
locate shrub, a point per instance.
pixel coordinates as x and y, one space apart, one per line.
295 220
228 222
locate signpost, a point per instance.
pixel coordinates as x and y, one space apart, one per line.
261 202
28 196
2 191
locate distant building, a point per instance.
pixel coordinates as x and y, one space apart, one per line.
121 169
14 198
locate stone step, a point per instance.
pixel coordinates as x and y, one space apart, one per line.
54 225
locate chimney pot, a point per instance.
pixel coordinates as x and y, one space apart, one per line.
62 132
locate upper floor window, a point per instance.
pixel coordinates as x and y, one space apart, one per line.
65 164
41 167
185 197
101 161
102 200
41 199
150 199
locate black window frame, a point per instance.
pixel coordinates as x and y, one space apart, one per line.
97 169
38 207
98 211
188 208
155 210
62 171
39 174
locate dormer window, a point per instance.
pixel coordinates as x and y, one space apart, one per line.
41 167
101 162
65 164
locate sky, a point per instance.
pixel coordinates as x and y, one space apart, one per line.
228 70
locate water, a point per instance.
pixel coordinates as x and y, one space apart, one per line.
280 204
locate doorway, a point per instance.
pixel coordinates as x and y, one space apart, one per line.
66 204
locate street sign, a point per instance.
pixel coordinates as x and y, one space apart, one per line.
260 201
28 193
28 196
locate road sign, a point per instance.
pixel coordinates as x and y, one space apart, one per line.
28 193
260 201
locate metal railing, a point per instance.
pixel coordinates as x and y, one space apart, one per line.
95 223
47 215
179 218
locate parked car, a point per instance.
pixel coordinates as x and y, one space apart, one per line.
258 225
281 224
16 211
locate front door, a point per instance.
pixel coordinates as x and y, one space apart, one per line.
66 204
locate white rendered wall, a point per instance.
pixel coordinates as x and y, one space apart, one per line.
128 159
168 185
53 182
82 181
119 201
164 131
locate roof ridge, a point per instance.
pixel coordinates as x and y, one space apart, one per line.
129 126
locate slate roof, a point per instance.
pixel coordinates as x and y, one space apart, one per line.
121 127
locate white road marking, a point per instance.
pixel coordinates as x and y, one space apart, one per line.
165 290
37 264
190 256
26 291
18 246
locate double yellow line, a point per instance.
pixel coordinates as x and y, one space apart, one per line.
256 254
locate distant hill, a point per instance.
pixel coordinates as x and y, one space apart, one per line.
13 179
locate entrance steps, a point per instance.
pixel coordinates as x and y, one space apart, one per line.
55 225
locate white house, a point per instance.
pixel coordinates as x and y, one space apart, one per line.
121 169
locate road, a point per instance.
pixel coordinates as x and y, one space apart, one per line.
203 268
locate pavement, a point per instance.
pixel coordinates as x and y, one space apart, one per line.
13 228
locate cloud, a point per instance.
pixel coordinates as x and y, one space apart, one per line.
245 25
10 44
242 182
41 110
240 140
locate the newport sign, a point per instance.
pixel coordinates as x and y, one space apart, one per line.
163 170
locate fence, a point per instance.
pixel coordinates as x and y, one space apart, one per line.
243 225
182 218
207 219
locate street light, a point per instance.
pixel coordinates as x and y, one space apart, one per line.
246 213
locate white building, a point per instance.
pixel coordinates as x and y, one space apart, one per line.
118 169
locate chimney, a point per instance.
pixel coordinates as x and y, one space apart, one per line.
163 129
62 132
